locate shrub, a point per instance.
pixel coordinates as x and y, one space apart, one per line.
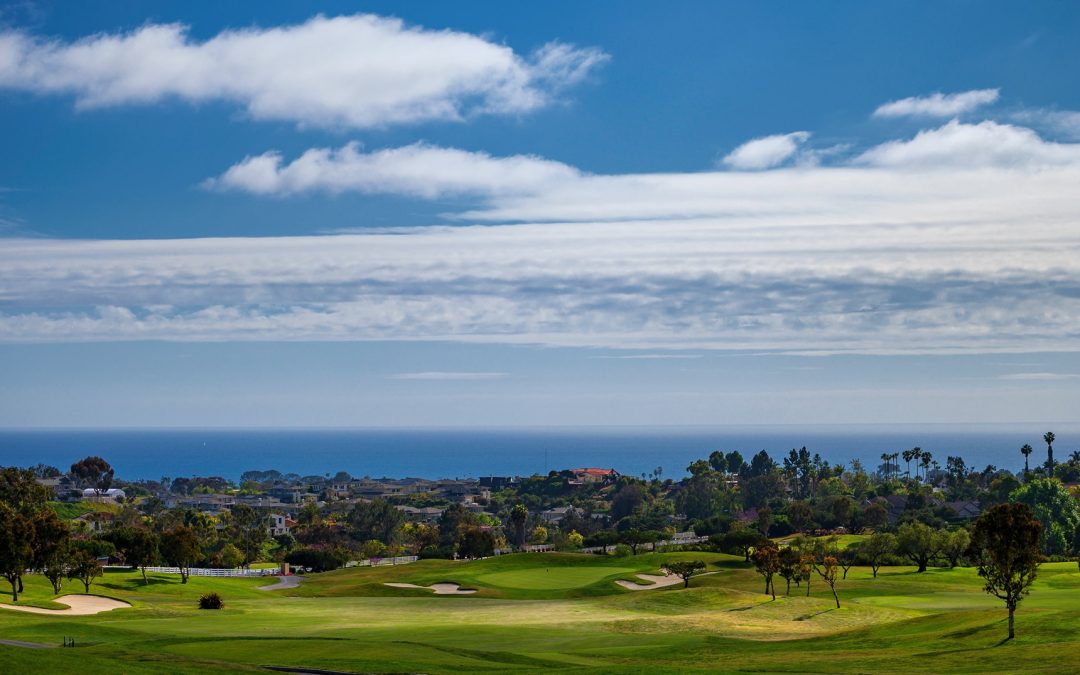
211 601
622 551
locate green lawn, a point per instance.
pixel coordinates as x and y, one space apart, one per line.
556 611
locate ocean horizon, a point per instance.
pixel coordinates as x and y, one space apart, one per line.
151 453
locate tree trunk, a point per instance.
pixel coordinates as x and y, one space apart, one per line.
86 583
875 568
808 588
789 586
773 587
21 589
14 591
144 580
836 597
1012 633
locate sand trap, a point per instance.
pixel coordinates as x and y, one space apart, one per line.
77 605
654 581
440 589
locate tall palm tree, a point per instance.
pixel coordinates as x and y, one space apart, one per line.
1049 438
925 461
896 464
885 457
1074 456
908 456
916 456
1025 451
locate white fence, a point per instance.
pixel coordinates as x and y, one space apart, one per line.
379 562
207 572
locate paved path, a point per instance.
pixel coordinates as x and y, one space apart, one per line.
25 645
77 605
283 582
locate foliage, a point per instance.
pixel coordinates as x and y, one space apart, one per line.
1055 509
767 562
1005 545
211 600
684 569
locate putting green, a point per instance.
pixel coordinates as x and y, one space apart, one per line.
543 578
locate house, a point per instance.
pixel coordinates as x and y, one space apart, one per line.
94 522
968 509
110 496
556 514
589 475
429 514
280 523
498 482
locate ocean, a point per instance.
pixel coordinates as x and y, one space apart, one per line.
459 453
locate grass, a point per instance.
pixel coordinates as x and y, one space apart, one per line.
557 611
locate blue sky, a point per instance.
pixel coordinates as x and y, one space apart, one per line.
564 214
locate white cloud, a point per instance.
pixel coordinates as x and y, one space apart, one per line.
987 144
1064 123
1039 377
353 71
438 375
766 152
938 104
418 170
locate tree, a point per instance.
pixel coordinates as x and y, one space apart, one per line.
954 545
877 549
628 498
718 461
51 548
740 542
1005 548
1054 508
180 547
518 517
684 569
136 546
788 559
377 519
16 547
1026 451
1049 438
93 472
767 561
248 531
847 557
918 542
827 571
83 566
635 538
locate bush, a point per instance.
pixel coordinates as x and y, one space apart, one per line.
211 601
317 559
622 551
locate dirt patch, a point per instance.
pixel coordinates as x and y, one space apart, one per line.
440 589
77 605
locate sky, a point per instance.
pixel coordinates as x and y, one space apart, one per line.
562 214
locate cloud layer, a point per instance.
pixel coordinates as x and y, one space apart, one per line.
382 71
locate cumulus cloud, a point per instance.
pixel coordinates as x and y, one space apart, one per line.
417 170
986 144
353 71
766 152
938 104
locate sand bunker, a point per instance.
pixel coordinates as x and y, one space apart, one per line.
440 589
77 605
654 581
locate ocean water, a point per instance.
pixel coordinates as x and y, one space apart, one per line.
452 453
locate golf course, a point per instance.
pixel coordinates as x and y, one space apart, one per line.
552 611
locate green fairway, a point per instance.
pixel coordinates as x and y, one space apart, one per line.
551 577
554 611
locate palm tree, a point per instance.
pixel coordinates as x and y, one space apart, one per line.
1025 451
1049 438
896 464
910 455
916 456
925 461
885 457
1075 456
